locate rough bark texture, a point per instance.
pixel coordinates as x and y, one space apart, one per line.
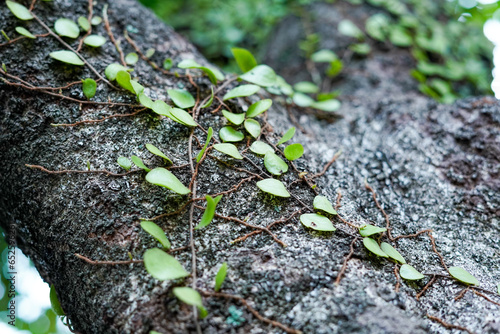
432 166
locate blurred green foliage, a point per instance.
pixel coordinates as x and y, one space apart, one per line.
445 37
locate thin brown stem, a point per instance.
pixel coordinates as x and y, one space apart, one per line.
94 262
448 325
91 121
347 258
426 287
441 258
89 19
325 168
111 36
387 222
66 171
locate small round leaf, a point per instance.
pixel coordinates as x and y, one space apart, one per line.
409 273
236 119
164 178
67 28
317 222
259 107
25 32
94 41
153 149
84 23
156 232
261 75
163 266
191 297
273 187
322 203
131 58
287 136
392 252
367 230
112 71
463 276
373 247
124 163
67 57
252 127
274 164
294 151
89 87
228 149
182 116
19 10
240 91
182 98
260 148
229 134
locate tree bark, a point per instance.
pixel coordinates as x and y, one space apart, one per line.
432 167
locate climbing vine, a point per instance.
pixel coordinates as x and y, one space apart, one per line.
245 132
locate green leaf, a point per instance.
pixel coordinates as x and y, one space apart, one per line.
287 136
89 87
54 301
348 28
212 73
294 151
138 162
273 187
19 10
317 222
306 87
322 203
96 20
498 288
274 164
124 163
163 266
123 79
146 101
209 213
236 119
261 75
361 48
243 90
392 252
463 276
84 23
67 57
94 41
168 63
159 107
302 100
228 149
67 28
209 137
409 273
220 277
164 178
131 58
376 26
260 148
150 52
367 230
253 127
112 70
156 232
399 36
334 68
25 32
373 247
229 134
153 149
138 88
182 98
324 56
210 100
259 107
182 116
327 105
245 60
191 297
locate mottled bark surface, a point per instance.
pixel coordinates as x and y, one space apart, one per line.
432 166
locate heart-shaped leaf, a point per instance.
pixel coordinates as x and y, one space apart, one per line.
236 119
67 57
94 41
220 277
274 164
19 10
89 87
244 58
182 116
252 127
240 91
367 230
209 213
259 107
190 297
67 28
163 266
153 149
156 232
260 148
182 98
463 276
229 134
322 203
287 136
228 149
373 247
261 75
294 151
164 178
392 252
273 187
409 273
317 222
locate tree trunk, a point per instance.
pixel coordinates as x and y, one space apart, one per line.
432 167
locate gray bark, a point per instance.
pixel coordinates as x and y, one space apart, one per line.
433 167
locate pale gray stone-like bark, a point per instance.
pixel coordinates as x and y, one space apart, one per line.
433 167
